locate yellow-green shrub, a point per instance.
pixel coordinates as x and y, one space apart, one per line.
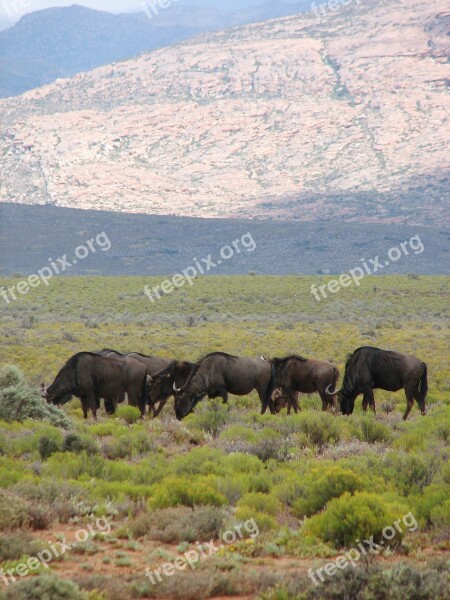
322 484
263 503
349 518
367 429
264 521
199 461
174 491
430 507
129 414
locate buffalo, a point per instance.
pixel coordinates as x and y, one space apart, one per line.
220 374
295 374
161 385
154 364
371 368
281 399
89 376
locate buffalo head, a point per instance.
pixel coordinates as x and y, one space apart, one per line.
44 391
185 402
346 400
54 398
279 401
159 387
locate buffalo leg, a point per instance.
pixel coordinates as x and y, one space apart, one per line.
365 403
326 401
134 400
264 406
292 401
417 397
141 407
110 405
91 402
409 402
159 409
266 401
223 393
371 400
368 400
84 406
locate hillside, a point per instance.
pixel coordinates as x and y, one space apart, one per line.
342 117
59 42
155 245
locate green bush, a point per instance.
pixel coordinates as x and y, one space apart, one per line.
66 465
319 427
178 524
264 521
108 428
73 442
260 482
262 503
199 461
232 487
19 401
130 414
13 512
10 376
11 471
187 492
210 417
243 463
13 547
398 582
349 518
118 448
45 587
367 429
238 433
322 484
430 506
440 514
412 473
47 446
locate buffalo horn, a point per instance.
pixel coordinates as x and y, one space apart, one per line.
332 393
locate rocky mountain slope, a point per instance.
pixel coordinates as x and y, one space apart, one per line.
60 42
342 116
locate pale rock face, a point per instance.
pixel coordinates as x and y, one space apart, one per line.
238 123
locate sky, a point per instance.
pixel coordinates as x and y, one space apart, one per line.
14 9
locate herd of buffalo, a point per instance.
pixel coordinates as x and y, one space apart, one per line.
151 380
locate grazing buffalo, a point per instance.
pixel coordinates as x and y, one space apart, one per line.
370 368
154 364
281 399
161 385
295 374
220 374
89 376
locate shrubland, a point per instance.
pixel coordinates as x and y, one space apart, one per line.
313 482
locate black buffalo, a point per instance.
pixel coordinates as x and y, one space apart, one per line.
372 368
154 364
161 385
220 374
89 376
295 374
